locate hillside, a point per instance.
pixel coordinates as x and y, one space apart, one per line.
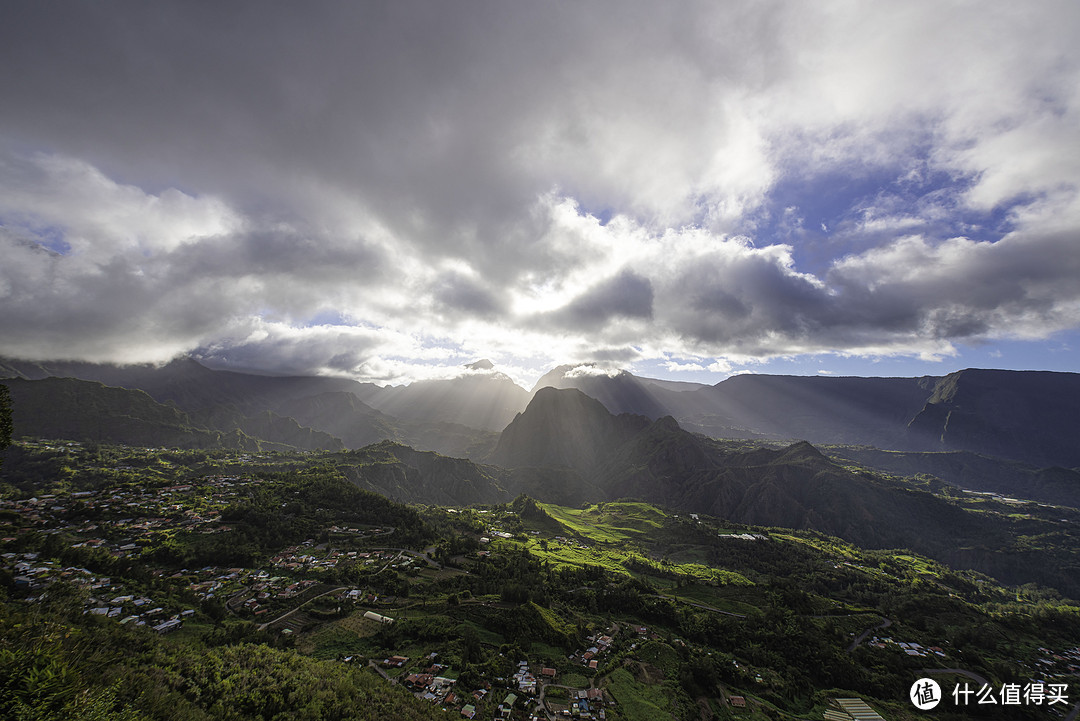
410 476
1026 416
66 408
792 487
254 586
1029 416
188 384
479 398
1022 416
343 415
563 428
967 470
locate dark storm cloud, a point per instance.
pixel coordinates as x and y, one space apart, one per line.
459 293
625 295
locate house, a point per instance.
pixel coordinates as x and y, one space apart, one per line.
737 701
468 711
167 626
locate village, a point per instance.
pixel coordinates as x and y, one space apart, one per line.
299 588
533 689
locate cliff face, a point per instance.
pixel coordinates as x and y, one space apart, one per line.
1031 416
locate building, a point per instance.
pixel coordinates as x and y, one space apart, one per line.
850 709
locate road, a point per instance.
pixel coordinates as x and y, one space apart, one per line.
415 554
379 670
699 605
285 615
885 623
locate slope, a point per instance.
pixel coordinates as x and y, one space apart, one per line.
66 408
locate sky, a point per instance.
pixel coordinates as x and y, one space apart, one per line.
688 190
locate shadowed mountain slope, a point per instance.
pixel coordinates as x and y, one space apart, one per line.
794 487
191 386
70 409
1031 416
564 428
485 400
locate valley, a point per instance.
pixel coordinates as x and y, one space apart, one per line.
650 610
213 559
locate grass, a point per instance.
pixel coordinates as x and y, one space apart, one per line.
357 624
637 701
549 653
615 522
735 599
919 565
575 680
332 641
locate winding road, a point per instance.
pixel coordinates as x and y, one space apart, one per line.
885 623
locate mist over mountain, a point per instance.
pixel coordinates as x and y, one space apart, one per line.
566 446
1028 416
1025 416
795 486
480 398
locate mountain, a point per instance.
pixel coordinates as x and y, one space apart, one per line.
73 409
563 428
343 415
190 385
1029 416
796 486
964 469
479 398
70 409
620 392
1026 416
820 409
309 413
410 476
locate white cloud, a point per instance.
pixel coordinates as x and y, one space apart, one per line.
439 196
676 367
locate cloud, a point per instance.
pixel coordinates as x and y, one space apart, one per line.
676 367
776 180
626 295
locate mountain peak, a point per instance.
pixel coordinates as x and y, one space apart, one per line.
481 365
563 427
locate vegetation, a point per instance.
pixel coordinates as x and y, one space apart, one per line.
270 561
